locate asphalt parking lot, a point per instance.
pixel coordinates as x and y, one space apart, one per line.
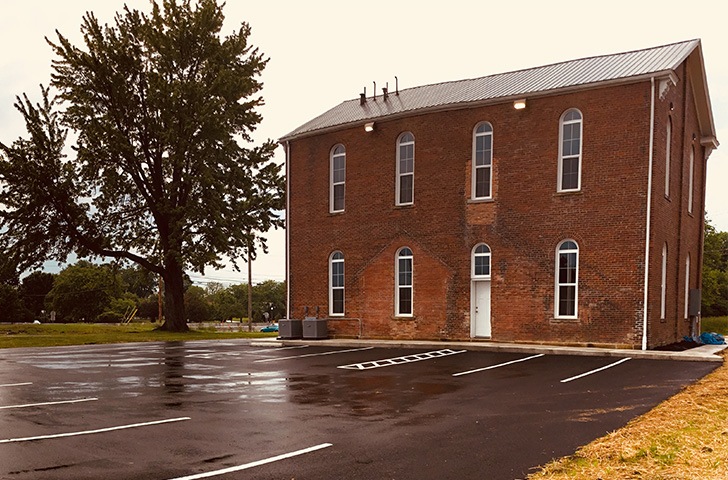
232 410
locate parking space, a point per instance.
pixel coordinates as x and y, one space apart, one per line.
231 410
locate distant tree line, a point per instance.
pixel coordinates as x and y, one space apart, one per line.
109 293
715 272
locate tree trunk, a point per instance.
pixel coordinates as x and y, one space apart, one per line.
174 298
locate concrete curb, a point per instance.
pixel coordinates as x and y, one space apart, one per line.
704 353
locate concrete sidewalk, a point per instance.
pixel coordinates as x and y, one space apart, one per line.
703 353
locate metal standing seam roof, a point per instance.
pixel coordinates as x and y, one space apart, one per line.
569 74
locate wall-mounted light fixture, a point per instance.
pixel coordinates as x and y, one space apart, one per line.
519 104
369 127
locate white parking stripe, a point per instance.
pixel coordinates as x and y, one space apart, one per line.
89 432
334 352
596 370
49 403
254 464
498 366
16 384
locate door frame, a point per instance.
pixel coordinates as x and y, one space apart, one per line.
473 297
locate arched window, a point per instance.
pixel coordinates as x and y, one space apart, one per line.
405 169
482 161
668 154
691 174
567 279
336 284
338 179
663 284
403 281
570 135
481 262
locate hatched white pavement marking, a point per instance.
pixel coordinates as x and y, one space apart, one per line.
596 370
499 365
16 384
61 402
254 464
388 362
89 432
333 352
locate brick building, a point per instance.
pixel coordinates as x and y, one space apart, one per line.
560 204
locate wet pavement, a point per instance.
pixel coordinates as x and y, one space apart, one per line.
234 410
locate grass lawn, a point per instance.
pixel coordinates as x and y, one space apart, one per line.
48 335
715 324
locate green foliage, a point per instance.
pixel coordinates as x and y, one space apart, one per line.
162 173
715 272
139 281
197 306
269 297
11 307
33 290
82 292
217 303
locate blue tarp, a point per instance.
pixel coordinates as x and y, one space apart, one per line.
707 338
710 338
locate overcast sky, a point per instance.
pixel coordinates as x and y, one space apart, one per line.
324 52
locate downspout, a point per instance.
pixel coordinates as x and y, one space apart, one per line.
288 231
649 212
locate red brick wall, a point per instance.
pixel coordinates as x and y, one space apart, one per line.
522 225
672 224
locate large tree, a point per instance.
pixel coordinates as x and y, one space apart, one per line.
163 172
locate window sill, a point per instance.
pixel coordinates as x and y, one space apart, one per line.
567 193
471 201
404 318
334 214
403 206
565 320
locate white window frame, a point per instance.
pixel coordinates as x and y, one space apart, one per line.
663 284
401 142
336 258
668 155
475 255
558 283
338 152
403 254
562 124
488 162
691 179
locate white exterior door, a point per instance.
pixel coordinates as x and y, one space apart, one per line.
480 309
